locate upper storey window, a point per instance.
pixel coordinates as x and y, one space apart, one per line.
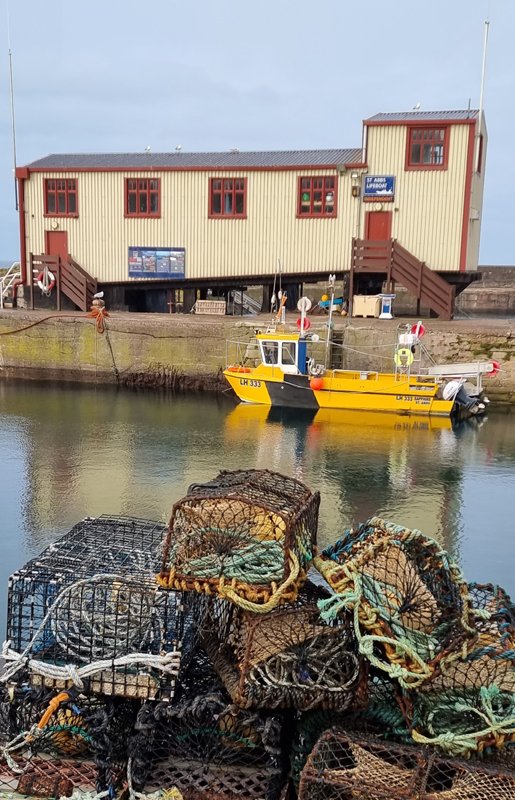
228 198
142 197
427 148
61 197
317 197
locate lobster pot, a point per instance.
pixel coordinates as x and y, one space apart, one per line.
203 743
411 600
288 658
247 535
308 730
43 777
466 780
472 694
197 780
57 742
342 766
91 598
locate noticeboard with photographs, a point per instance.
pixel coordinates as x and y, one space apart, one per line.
162 264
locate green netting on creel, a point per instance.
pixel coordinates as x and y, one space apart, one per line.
409 600
469 703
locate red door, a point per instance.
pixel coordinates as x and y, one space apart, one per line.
56 244
378 225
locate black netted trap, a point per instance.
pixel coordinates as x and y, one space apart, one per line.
66 739
247 535
410 600
204 745
288 658
88 611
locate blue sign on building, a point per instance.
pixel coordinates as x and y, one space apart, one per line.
161 264
379 187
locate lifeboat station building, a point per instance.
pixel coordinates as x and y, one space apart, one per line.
402 208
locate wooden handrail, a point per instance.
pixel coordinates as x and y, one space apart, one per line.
72 280
403 267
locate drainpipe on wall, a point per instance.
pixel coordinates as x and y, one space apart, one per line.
21 174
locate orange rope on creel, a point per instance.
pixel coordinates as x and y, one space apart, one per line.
53 705
99 315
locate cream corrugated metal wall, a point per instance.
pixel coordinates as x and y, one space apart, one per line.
476 204
100 237
428 208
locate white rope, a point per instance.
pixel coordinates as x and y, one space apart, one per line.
167 663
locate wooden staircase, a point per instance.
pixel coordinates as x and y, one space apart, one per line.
400 266
72 280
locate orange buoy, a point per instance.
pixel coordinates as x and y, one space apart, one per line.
306 326
316 384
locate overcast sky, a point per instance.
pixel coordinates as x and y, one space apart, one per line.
118 75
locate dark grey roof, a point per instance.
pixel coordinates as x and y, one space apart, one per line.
424 116
240 160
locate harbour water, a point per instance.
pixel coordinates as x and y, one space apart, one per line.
67 453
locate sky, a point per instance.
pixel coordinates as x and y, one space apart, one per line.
121 75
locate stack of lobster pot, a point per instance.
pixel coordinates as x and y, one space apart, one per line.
243 544
90 637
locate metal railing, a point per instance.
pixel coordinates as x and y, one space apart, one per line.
6 281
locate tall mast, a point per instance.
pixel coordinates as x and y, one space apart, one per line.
481 97
13 120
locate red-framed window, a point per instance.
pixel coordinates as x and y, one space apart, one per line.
427 148
61 197
228 198
142 197
317 197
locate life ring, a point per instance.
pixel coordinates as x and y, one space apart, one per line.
237 368
403 357
50 277
496 368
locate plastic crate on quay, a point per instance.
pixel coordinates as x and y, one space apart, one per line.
87 612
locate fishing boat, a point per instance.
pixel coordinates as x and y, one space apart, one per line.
278 368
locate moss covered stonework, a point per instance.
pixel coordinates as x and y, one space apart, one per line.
188 352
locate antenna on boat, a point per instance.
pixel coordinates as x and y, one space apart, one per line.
332 281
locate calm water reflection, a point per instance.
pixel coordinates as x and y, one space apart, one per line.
69 453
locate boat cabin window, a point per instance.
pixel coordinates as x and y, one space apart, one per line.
288 354
270 352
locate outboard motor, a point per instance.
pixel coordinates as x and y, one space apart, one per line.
463 402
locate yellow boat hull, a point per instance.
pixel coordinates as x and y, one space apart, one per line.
340 389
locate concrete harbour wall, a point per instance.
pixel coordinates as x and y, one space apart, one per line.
156 349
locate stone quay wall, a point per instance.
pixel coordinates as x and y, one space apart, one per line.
189 352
